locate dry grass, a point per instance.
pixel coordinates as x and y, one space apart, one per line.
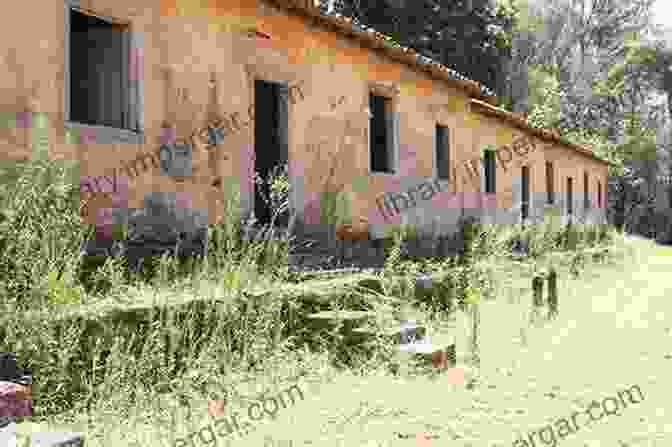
258 344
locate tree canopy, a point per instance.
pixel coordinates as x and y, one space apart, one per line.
469 36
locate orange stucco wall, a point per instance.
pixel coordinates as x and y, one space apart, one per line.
196 64
566 162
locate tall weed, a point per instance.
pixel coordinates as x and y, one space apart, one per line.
40 230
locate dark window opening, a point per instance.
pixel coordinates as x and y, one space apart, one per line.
586 197
442 152
270 143
525 205
380 142
570 199
550 183
490 171
99 72
599 194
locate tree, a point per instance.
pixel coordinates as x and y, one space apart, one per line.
468 36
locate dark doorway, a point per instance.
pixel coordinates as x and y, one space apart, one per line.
490 170
550 183
525 208
570 197
380 142
270 142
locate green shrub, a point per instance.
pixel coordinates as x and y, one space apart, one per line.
40 228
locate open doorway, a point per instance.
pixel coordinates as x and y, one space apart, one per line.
525 206
270 142
570 198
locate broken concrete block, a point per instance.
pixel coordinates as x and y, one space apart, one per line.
7 433
15 389
57 439
410 332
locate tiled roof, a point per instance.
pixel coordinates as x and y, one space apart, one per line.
420 59
369 37
550 135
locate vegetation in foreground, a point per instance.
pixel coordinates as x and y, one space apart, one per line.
94 355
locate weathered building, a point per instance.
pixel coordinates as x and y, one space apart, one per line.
185 99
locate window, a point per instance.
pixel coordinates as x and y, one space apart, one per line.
382 134
586 197
101 88
570 197
490 171
599 194
550 183
525 205
442 143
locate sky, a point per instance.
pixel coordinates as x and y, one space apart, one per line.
662 16
662 12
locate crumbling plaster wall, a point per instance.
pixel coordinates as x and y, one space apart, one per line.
175 93
570 163
494 133
197 66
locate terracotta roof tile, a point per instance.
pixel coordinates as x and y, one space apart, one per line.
550 135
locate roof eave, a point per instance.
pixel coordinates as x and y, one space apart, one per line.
550 135
343 26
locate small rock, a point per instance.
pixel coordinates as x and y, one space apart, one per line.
57 439
216 408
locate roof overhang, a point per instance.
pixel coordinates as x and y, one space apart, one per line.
376 41
550 135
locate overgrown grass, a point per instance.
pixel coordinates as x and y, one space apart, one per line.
134 339
40 233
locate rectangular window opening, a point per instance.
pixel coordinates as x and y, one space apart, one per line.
381 135
599 194
442 143
99 91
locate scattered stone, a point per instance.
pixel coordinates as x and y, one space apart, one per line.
15 392
11 372
216 407
456 375
410 332
57 439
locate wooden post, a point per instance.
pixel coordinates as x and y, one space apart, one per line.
537 297
474 342
552 293
538 291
